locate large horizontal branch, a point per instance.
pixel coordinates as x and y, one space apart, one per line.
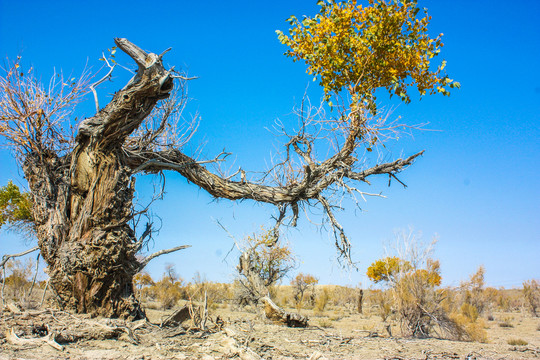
309 188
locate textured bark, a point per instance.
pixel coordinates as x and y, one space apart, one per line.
82 201
280 316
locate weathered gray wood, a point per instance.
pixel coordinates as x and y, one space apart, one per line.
278 315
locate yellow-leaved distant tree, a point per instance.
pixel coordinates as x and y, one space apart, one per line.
412 280
386 269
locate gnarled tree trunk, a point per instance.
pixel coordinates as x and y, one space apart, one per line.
83 201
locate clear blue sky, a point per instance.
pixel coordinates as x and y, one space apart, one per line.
476 186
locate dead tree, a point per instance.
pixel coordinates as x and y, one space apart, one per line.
360 301
82 187
259 295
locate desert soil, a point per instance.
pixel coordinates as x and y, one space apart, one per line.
335 334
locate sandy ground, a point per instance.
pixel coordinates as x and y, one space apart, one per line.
335 334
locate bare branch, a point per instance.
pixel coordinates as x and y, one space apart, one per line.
6 257
106 77
135 52
147 259
342 242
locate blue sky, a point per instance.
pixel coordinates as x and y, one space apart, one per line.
476 186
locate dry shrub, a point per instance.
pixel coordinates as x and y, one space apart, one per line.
344 296
473 291
531 293
18 279
418 305
304 290
517 342
167 291
472 330
468 320
467 303
325 323
322 299
283 295
200 290
503 301
470 312
382 301
413 278
506 323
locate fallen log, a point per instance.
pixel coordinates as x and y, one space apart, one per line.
13 339
280 316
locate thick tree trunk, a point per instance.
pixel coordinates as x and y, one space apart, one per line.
83 201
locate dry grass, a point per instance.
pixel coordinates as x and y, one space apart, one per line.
517 342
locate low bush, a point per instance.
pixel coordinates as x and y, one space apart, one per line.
506 323
517 342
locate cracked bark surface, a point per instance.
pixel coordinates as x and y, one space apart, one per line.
82 201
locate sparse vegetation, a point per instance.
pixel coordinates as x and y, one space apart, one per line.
304 289
531 292
506 323
322 299
412 280
325 323
517 342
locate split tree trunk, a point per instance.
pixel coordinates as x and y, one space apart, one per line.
83 201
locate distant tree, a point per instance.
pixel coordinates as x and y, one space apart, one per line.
387 269
263 262
304 284
82 187
15 208
143 281
412 279
273 260
170 289
531 292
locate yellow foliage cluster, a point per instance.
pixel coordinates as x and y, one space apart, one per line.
392 269
363 48
386 269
